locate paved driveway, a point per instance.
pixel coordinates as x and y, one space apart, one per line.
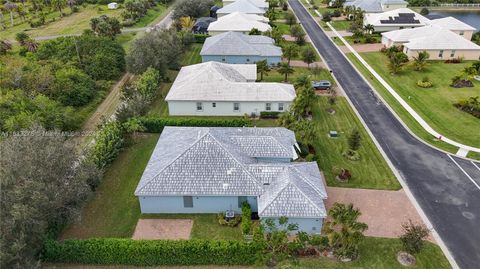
173 229
383 211
444 186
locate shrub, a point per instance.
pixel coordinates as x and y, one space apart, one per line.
303 149
108 143
151 252
413 237
336 13
454 60
269 114
156 124
72 87
246 218
200 38
231 223
326 16
424 83
311 158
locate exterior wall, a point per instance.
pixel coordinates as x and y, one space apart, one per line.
434 54
391 28
308 225
189 108
389 43
235 59
201 204
212 33
225 14
466 34
388 7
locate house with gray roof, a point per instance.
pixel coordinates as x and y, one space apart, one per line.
376 6
211 170
220 89
242 6
238 48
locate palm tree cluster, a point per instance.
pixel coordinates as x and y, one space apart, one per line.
26 42
344 231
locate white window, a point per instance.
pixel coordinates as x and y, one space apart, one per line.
199 106
452 54
440 54
268 106
214 104
236 106
461 33
280 106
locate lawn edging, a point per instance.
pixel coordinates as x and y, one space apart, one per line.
151 252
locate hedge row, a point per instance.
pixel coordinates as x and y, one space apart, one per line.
150 252
200 38
269 114
156 124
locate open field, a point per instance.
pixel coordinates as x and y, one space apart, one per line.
434 104
375 253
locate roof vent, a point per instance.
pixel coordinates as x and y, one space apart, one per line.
226 186
230 171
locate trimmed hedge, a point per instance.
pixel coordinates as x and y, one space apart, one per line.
269 114
150 252
156 124
200 38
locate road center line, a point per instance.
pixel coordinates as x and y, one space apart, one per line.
469 177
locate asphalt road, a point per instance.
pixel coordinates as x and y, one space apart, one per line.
448 192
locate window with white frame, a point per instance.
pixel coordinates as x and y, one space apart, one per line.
280 106
440 54
199 106
268 106
452 54
236 106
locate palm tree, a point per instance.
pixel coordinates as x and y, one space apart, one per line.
343 230
290 51
4 47
308 56
263 68
31 45
420 62
302 81
285 69
397 61
59 4
186 23
368 29
305 130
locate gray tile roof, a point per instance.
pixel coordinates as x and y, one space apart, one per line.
222 161
235 43
244 6
366 5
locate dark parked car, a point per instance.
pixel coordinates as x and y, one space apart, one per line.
321 85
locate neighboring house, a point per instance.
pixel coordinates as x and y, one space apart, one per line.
376 6
440 43
455 26
112 5
238 48
259 3
211 170
242 6
394 20
218 89
201 25
239 22
213 11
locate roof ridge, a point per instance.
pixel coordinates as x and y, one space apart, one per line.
306 196
174 159
275 197
305 179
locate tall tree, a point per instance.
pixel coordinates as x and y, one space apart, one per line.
105 26
285 69
298 33
43 186
59 4
290 51
354 140
290 19
309 56
263 68
186 23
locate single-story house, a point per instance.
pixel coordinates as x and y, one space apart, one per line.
238 48
211 170
201 25
239 22
376 6
455 25
112 5
259 3
401 18
440 43
242 6
219 89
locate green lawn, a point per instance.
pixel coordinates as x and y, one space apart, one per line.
435 104
153 15
375 253
341 25
399 110
192 55
274 76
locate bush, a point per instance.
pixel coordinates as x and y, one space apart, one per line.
200 38
424 11
231 223
424 83
156 124
311 158
246 218
108 143
150 252
336 13
326 16
454 60
72 87
269 114
413 237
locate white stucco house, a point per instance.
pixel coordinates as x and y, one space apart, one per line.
259 3
211 170
239 22
397 19
376 6
242 6
219 89
440 43
458 27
